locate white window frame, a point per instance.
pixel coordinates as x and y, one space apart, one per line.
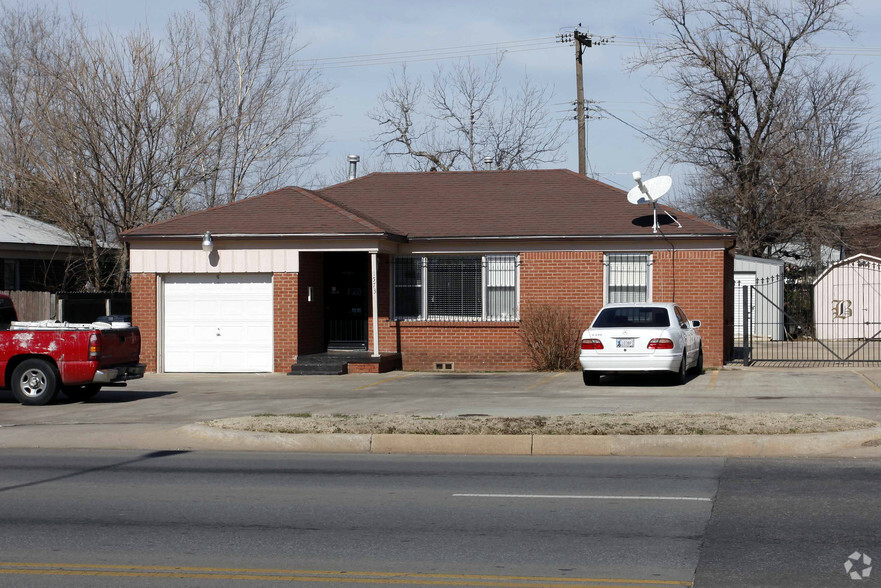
649 277
484 317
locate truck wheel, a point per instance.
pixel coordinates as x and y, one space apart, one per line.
590 378
79 393
35 382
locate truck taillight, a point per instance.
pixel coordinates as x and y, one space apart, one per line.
591 344
660 344
94 347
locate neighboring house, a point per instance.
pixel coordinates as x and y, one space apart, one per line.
438 267
801 255
765 300
34 255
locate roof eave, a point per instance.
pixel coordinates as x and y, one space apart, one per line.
274 236
726 236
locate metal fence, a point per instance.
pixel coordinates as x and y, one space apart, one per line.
806 318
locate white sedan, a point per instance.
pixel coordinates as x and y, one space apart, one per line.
641 337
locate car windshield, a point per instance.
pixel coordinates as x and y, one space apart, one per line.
632 316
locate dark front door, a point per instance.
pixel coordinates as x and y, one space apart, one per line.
346 280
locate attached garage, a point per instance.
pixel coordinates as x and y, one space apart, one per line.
217 323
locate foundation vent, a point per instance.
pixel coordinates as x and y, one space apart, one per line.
444 366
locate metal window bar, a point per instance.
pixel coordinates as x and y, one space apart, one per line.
627 277
407 280
461 288
501 287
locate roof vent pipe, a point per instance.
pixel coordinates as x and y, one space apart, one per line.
353 166
488 162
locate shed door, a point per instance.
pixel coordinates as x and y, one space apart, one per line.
742 279
218 323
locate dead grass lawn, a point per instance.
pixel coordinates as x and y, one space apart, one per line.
640 423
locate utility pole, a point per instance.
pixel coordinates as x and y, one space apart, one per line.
582 41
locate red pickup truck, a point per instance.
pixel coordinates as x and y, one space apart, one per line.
39 359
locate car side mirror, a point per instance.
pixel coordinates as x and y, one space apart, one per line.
695 324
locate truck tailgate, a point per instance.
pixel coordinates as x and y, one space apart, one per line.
119 346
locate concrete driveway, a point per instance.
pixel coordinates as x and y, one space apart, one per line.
174 399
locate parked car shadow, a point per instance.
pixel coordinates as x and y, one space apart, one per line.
641 380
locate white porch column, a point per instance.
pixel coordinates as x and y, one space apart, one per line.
373 286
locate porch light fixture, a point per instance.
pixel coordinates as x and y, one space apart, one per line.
207 242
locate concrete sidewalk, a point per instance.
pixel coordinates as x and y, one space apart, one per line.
150 413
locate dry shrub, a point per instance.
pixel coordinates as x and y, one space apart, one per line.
551 335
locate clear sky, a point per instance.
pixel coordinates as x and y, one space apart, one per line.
526 29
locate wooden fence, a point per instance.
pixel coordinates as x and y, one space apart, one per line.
33 306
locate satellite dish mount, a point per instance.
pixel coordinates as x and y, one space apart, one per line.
649 192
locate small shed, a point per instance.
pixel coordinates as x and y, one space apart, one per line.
847 299
766 297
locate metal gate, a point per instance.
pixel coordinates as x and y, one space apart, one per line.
805 319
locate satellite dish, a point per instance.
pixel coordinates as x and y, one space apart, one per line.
649 192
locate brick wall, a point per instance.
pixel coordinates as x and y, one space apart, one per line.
570 279
698 285
284 309
573 280
144 315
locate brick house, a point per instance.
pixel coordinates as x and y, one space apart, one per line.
436 267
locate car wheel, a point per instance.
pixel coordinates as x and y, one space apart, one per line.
79 393
590 378
679 376
699 365
34 382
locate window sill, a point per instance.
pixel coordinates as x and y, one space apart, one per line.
454 323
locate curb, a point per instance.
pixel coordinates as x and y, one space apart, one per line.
792 445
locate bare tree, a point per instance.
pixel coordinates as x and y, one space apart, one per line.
267 111
103 132
118 140
777 134
25 40
464 117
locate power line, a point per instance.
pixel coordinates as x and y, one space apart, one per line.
515 46
437 49
621 120
417 55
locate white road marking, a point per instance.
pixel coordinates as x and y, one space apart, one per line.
586 497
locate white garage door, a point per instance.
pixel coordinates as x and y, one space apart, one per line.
218 323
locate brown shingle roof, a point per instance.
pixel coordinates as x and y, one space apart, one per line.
288 211
503 204
424 205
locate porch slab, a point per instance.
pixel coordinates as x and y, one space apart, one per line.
345 362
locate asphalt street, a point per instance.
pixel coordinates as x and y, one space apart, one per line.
108 518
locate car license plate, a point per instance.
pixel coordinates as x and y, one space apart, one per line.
624 343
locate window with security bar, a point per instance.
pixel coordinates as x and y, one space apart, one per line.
627 277
473 287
